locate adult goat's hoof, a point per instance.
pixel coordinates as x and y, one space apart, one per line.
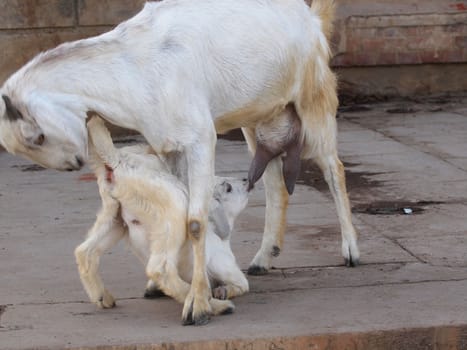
256 270
351 254
153 293
190 318
198 320
349 262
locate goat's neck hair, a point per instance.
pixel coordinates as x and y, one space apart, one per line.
68 68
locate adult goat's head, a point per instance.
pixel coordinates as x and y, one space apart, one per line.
43 131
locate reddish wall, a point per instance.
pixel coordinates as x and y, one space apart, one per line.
370 35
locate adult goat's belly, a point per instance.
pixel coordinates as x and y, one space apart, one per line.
254 94
247 117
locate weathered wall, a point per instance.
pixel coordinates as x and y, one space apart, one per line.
382 47
385 32
385 47
30 26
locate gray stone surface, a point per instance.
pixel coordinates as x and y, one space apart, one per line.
413 266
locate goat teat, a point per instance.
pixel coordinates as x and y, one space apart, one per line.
279 136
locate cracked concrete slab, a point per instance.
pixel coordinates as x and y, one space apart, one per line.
407 294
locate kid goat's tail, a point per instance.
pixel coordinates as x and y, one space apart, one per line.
101 141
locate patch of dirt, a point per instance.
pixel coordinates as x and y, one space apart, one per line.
393 208
313 231
355 108
27 168
311 175
401 110
346 99
314 237
2 310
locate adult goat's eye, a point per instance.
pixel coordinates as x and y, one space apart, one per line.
228 187
40 140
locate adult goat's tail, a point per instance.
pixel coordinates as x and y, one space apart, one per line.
325 9
101 141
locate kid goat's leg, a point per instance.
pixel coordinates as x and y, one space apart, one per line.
105 233
223 268
162 269
277 200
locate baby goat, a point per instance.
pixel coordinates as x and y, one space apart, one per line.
144 202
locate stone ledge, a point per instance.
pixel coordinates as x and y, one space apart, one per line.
407 20
383 82
434 338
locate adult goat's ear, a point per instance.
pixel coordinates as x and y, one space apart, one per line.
12 113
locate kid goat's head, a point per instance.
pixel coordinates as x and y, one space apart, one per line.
42 131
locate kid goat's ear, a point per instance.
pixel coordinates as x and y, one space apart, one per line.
221 223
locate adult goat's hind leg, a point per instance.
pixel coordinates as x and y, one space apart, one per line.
277 200
334 175
317 107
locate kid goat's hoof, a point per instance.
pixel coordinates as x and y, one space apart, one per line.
106 301
220 293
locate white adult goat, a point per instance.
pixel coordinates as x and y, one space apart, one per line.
179 71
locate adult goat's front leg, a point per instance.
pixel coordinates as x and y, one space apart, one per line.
200 161
277 200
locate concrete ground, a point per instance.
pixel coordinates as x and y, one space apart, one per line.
409 293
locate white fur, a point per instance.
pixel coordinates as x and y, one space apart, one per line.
179 71
145 203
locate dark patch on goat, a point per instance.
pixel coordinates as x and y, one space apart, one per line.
12 113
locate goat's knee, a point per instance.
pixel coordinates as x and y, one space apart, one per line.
82 259
154 272
194 228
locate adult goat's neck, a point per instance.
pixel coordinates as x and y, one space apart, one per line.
85 73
